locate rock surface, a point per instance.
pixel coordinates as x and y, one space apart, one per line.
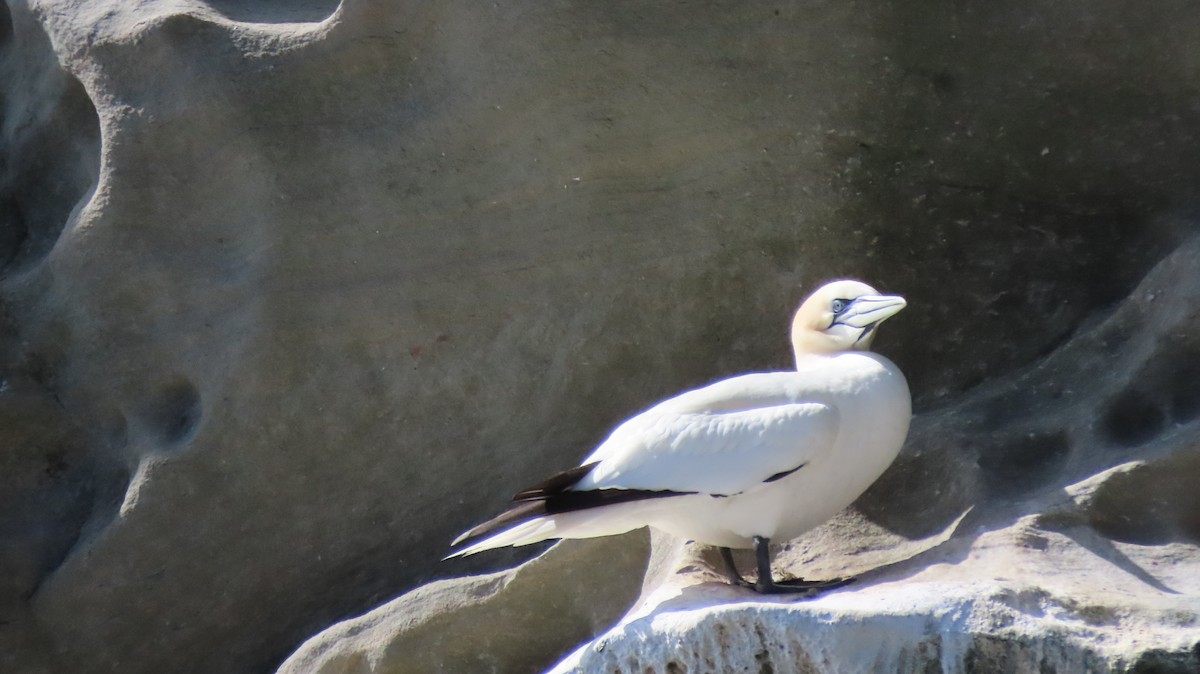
485 623
291 292
1020 600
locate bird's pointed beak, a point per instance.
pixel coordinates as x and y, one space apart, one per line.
870 310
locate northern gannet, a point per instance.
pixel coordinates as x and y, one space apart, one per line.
744 460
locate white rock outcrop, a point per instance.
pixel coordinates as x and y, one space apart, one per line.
1019 600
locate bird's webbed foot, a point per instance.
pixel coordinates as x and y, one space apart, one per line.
766 584
808 588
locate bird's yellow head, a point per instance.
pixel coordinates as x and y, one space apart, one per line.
841 316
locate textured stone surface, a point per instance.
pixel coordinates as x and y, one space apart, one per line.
517 620
939 619
290 292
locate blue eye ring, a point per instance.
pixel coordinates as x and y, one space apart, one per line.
840 306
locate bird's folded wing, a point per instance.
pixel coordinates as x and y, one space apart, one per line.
719 453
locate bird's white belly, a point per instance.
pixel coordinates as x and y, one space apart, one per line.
779 511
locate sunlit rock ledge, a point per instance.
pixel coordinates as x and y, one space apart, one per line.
1018 600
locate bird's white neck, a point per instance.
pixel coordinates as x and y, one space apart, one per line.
807 361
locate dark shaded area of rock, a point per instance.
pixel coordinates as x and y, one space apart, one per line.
47 489
49 143
1149 504
274 11
1110 396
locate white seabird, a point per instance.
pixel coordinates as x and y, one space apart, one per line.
745 460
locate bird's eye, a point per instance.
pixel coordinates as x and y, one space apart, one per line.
839 306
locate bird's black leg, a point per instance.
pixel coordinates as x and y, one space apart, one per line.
767 585
731 571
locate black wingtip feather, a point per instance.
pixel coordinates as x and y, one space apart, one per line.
556 483
522 512
554 495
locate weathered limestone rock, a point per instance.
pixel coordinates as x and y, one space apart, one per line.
1014 600
291 292
516 620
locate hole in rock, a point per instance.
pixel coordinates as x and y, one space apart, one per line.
1158 661
174 413
50 143
1024 463
275 11
1152 504
1132 418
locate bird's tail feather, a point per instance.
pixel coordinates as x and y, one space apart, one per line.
552 509
525 533
519 513
608 520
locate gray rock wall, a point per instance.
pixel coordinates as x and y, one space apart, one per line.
290 292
